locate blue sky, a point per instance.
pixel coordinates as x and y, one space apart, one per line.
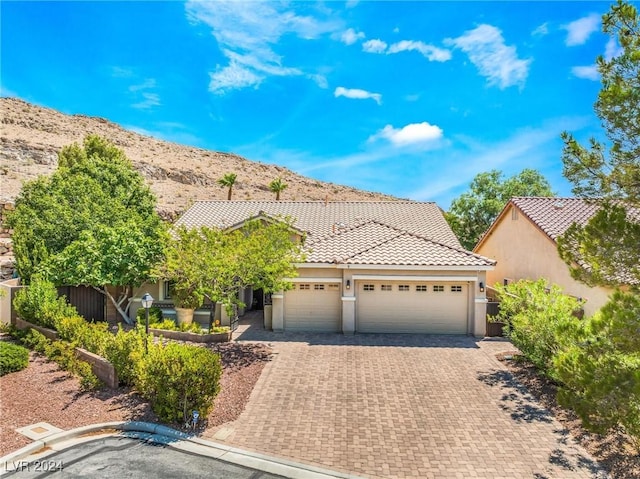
412 99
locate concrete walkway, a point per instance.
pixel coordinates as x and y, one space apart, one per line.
404 406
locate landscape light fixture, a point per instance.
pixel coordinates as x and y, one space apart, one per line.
481 286
147 301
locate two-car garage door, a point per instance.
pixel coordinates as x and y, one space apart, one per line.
381 307
411 307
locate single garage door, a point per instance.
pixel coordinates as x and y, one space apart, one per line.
411 307
313 307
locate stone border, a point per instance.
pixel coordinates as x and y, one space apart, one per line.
192 337
102 368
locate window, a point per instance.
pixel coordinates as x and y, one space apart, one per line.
385 287
456 289
333 287
368 287
438 288
421 287
318 287
305 286
167 289
403 287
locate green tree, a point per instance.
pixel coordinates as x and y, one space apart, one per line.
212 263
277 186
473 212
93 222
606 250
600 373
228 180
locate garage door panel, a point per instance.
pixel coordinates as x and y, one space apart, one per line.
432 308
312 307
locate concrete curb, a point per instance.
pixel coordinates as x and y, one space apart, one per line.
173 438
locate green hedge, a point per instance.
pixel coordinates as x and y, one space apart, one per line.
39 304
13 357
178 379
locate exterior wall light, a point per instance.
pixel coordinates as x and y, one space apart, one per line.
481 286
348 284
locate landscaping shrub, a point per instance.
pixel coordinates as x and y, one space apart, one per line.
155 315
600 373
13 357
39 303
170 325
534 316
124 350
179 379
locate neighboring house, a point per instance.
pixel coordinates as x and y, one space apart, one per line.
523 241
383 267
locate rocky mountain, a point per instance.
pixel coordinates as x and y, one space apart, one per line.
31 136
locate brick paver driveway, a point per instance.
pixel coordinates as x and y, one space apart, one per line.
402 406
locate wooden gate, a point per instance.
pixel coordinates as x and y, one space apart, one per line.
89 302
493 329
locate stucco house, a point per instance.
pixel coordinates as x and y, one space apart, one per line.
523 241
383 267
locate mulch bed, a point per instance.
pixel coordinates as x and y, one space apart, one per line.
615 451
44 393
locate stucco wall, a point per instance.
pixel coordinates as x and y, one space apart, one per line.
525 252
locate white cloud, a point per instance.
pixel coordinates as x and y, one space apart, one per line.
374 46
495 60
350 36
612 49
414 133
430 52
587 72
248 36
579 31
145 85
541 30
357 94
320 80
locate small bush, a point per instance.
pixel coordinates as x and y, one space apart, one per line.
39 303
124 350
170 325
535 316
155 315
178 379
13 357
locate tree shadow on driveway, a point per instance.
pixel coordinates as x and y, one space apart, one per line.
516 399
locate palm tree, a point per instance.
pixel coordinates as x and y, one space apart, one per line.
228 180
277 186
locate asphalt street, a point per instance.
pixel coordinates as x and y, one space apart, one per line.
124 457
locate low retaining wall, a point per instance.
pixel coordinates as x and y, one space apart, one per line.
102 368
193 337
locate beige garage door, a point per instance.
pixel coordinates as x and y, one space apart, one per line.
411 307
313 307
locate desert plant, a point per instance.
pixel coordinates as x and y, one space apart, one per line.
179 379
13 357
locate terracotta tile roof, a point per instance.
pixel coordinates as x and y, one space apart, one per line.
378 233
378 244
555 215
